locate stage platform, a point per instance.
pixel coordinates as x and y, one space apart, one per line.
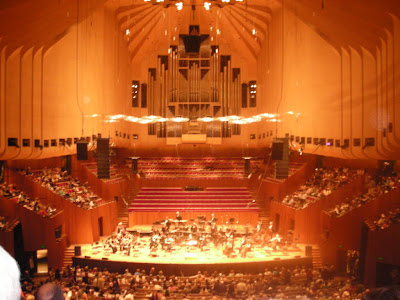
188 260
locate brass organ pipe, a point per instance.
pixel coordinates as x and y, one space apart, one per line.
229 85
198 83
175 76
239 92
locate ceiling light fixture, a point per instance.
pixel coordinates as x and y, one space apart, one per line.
179 5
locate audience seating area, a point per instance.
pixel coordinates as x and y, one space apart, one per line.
66 186
322 183
13 194
7 223
151 204
376 188
194 168
277 283
173 199
385 220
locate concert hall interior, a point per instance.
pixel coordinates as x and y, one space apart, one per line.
218 141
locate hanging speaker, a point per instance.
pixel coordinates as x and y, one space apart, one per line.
81 150
103 158
277 150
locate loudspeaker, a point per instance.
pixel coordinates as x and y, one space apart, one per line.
103 158
134 165
247 166
78 251
308 251
277 150
81 150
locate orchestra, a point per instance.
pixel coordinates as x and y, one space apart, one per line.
169 234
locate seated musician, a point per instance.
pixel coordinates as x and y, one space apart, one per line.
193 229
168 242
229 247
213 219
245 247
167 223
178 216
275 241
155 238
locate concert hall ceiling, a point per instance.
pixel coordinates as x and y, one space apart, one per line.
328 70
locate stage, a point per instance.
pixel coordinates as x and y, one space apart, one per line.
187 260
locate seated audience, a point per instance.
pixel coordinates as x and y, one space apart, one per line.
66 186
10 191
380 186
321 184
385 221
275 283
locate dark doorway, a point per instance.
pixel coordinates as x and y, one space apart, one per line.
100 222
277 222
341 261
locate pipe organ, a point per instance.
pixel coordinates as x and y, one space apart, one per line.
197 88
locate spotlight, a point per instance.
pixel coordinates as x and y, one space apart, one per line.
207 6
127 32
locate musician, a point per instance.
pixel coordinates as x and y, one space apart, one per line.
155 238
168 242
167 223
202 241
259 224
271 228
276 241
193 229
245 247
121 228
213 219
229 247
178 217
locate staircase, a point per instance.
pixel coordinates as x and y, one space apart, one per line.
264 213
123 211
316 257
68 254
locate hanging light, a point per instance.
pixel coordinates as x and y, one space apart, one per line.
205 119
207 6
127 31
179 5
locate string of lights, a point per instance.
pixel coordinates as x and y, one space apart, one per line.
268 117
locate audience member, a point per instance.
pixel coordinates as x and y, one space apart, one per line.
9 277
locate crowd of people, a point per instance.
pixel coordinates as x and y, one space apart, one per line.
322 183
375 188
3 223
66 186
385 221
277 283
33 204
